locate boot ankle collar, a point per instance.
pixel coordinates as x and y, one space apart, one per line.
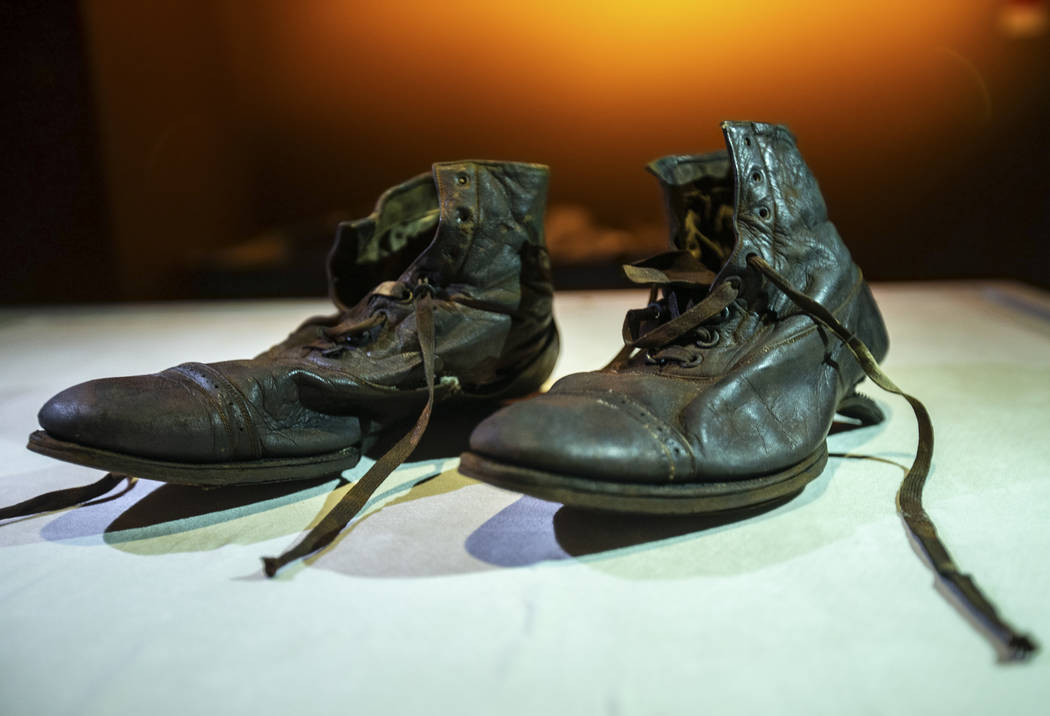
773 185
484 205
457 190
678 170
779 213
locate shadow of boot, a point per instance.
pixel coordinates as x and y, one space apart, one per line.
447 435
586 532
173 512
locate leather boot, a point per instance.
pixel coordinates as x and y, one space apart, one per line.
726 390
759 328
444 293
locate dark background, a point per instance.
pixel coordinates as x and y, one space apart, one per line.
178 149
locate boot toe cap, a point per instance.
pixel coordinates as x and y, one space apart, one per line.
578 436
146 416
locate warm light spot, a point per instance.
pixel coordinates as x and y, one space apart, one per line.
1024 18
613 58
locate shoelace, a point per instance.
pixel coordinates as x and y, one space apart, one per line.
422 295
329 527
663 343
68 497
1010 644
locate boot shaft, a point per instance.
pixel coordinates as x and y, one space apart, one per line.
757 196
477 224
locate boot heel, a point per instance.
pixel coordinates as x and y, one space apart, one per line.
861 408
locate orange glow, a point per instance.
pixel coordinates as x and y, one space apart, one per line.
645 77
270 110
602 55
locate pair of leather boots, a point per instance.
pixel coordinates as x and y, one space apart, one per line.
758 329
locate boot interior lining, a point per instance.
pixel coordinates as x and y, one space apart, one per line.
707 224
385 244
404 227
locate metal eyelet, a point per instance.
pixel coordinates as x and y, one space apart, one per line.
462 180
763 212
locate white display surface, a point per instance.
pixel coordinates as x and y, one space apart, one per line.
448 596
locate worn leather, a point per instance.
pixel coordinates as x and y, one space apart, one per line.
471 231
760 389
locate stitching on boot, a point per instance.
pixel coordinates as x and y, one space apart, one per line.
220 399
251 430
804 333
666 436
210 401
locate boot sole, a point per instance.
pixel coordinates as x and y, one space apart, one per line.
250 472
668 498
681 498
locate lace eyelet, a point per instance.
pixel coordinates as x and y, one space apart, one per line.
424 287
710 341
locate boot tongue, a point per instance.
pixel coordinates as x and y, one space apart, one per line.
672 269
685 283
